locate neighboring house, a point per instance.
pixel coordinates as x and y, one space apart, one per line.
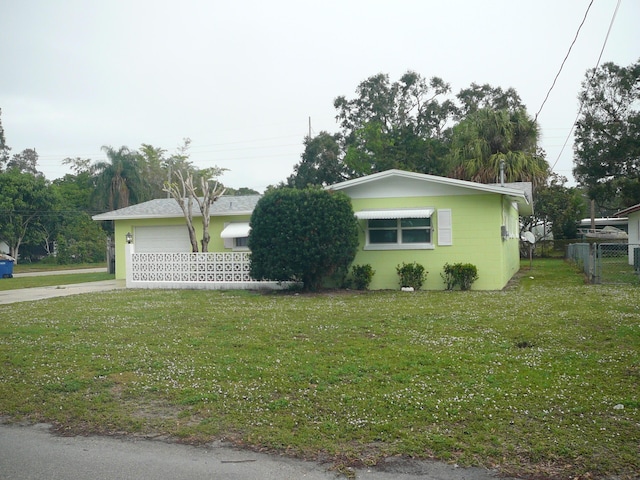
412 217
633 228
402 217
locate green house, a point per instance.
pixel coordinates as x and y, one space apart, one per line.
412 217
403 217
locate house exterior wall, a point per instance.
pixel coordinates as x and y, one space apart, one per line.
634 227
511 244
634 233
216 225
477 238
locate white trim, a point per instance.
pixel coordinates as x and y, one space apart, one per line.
236 230
431 178
399 246
384 214
517 194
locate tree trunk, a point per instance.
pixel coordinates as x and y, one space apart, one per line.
13 252
190 228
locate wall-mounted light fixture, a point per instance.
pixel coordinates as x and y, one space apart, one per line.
129 237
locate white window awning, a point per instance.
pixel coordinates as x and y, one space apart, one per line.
384 214
236 230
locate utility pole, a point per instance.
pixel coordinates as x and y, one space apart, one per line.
309 128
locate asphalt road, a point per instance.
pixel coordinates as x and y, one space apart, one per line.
31 452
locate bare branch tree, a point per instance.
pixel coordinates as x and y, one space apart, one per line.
209 195
182 194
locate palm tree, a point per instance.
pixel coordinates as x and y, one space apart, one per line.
487 137
118 181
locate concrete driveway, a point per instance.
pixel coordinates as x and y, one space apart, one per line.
39 293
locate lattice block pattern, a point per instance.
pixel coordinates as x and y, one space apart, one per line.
225 267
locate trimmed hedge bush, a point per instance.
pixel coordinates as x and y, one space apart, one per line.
361 276
459 274
411 275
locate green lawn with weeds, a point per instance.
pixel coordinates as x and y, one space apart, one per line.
16 283
540 380
44 267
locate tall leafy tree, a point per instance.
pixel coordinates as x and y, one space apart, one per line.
371 150
238 192
607 136
76 189
477 97
24 200
321 162
79 239
25 162
410 124
395 125
302 235
487 139
559 207
411 101
154 169
119 181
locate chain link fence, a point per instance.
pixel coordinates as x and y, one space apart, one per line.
607 262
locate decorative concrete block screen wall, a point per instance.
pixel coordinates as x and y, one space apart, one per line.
191 267
212 271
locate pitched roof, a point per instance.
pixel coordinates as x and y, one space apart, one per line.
627 211
521 192
169 208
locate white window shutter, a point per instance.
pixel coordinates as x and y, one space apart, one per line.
228 242
445 230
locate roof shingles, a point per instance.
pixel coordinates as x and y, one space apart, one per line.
168 208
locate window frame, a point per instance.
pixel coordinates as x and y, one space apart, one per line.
399 228
240 243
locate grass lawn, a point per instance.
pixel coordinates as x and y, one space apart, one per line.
541 379
50 280
44 267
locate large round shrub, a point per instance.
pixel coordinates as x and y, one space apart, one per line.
302 235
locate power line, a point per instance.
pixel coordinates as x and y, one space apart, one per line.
606 39
565 59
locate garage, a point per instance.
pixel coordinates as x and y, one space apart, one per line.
162 239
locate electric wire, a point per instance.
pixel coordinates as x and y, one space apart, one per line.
606 38
565 59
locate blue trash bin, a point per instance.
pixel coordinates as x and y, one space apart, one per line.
6 268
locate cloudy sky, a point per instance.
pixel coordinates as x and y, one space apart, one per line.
243 78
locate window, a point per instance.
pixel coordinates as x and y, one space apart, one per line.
399 233
236 235
398 228
241 242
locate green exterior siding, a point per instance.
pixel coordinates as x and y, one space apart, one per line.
484 226
477 239
216 244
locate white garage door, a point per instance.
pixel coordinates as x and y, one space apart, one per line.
169 239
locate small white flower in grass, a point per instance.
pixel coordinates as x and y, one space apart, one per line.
619 407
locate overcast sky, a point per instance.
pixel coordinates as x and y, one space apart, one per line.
242 78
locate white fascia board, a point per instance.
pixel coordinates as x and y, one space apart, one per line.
429 178
378 214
